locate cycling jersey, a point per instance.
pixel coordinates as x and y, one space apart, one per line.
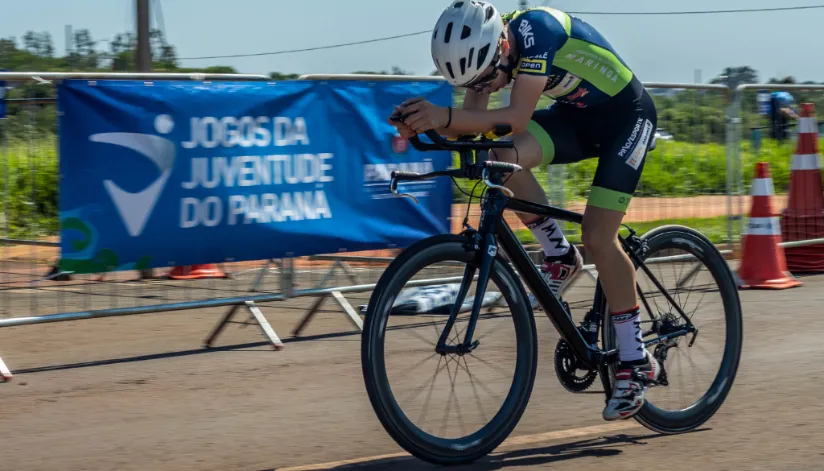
782 100
601 109
582 67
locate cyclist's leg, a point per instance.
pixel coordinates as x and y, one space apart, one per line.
625 137
551 138
549 134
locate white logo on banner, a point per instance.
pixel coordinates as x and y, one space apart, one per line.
135 208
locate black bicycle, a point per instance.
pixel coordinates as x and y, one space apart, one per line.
579 358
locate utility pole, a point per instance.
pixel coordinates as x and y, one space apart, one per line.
144 51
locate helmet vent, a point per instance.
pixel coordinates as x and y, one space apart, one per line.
449 69
482 55
490 12
459 4
466 32
469 62
435 35
463 65
448 33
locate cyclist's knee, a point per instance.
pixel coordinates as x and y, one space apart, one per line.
599 231
527 152
503 155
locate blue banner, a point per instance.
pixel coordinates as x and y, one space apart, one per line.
158 174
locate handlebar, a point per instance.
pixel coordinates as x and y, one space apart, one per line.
487 169
481 169
440 143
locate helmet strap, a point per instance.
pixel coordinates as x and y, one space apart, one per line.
509 68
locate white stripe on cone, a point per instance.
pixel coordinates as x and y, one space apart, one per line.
5 374
805 162
807 126
764 227
762 187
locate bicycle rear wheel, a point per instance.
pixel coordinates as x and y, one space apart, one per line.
679 254
424 444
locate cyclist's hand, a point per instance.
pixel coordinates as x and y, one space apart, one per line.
403 129
423 116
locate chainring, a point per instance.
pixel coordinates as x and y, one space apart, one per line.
567 368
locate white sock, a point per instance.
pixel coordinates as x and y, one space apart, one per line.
549 235
628 331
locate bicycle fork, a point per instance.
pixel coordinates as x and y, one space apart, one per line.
484 244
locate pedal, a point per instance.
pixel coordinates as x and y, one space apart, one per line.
610 357
644 379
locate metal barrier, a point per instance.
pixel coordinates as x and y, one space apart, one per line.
33 290
802 225
694 178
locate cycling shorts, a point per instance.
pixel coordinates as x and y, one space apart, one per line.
617 133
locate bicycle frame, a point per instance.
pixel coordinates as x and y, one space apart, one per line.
493 227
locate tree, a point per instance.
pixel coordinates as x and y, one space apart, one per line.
39 44
280 76
84 56
735 76
162 53
395 71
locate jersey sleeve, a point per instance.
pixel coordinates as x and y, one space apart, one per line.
538 36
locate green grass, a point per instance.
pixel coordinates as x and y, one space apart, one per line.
713 228
29 189
29 176
673 169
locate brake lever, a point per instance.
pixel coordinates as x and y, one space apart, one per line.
485 176
393 185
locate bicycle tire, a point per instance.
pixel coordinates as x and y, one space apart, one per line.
692 241
420 444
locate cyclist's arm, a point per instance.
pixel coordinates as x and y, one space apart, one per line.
523 99
472 101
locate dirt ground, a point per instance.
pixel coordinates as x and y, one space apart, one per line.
140 392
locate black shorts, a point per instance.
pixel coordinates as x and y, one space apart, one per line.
618 133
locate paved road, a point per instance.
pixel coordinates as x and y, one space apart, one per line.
141 393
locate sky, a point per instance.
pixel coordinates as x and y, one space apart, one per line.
678 48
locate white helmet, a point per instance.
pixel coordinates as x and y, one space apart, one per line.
465 40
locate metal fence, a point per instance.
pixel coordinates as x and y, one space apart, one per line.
684 178
697 175
794 167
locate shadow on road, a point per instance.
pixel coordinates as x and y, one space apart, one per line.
525 457
253 346
353 335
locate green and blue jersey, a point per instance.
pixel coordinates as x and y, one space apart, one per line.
582 67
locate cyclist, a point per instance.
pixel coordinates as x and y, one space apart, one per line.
601 110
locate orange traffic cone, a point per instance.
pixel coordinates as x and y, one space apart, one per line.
803 219
762 261
806 198
5 374
194 272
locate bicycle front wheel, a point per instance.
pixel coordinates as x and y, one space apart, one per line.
496 401
699 370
